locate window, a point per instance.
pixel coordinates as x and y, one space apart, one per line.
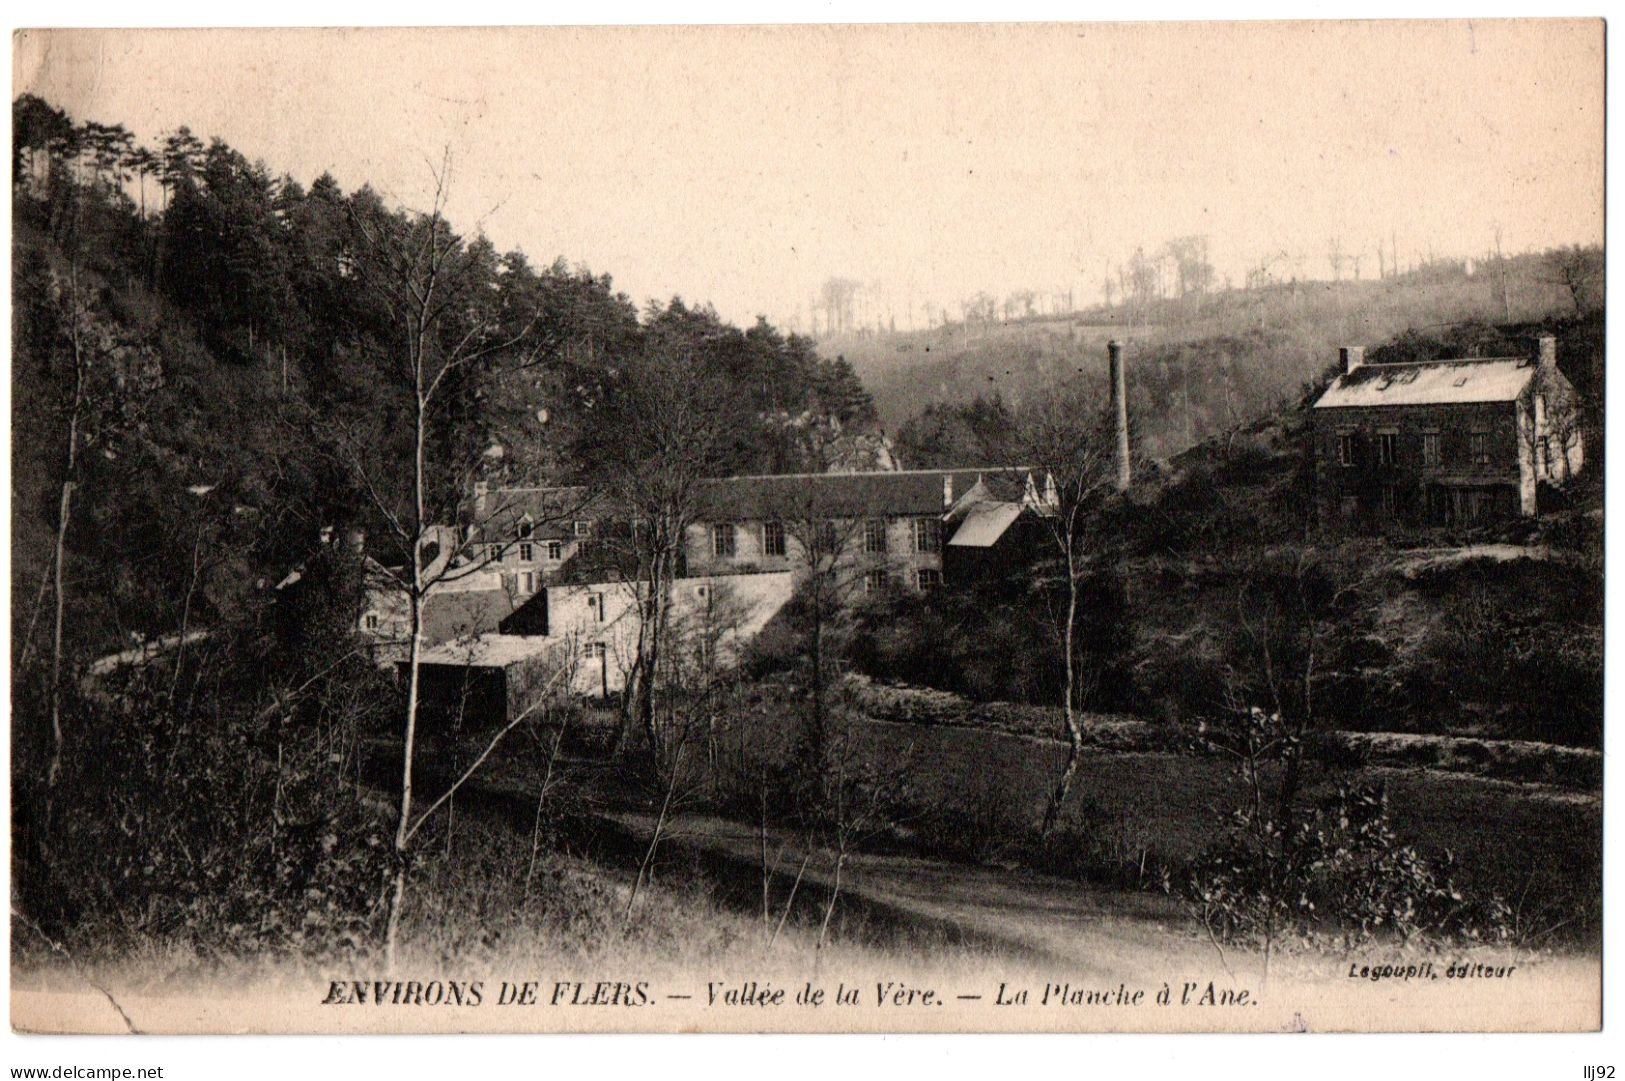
874 536
527 552
828 539
874 582
1478 445
722 539
580 528
593 651
927 578
555 550
1430 448
702 592
527 581
927 534
525 528
595 607
1390 500
773 538
370 621
1387 448
1345 448
497 553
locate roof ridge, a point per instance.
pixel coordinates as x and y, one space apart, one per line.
876 472
1439 360
537 488
801 476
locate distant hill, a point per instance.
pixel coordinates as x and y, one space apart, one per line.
1201 365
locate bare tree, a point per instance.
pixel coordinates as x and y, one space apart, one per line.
825 536
655 446
1578 271
422 275
1068 442
1288 602
857 804
108 376
838 297
1501 272
702 675
1193 271
1336 258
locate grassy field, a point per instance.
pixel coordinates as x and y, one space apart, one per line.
1140 805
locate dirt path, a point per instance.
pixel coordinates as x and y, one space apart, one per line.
1108 934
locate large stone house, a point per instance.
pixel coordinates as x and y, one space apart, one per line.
887 529
882 530
1445 442
542 578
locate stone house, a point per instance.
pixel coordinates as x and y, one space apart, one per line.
1445 442
542 574
886 530
597 622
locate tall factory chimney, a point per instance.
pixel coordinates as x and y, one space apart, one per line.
1114 350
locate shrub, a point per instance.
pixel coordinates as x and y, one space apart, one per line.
1338 871
179 819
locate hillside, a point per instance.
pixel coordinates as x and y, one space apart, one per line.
1492 631
1204 364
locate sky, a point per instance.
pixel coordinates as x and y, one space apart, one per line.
742 166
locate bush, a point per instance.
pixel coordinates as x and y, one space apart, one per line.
178 820
1337 872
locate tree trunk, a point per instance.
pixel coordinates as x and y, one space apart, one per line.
834 896
53 771
409 734
815 734
1074 727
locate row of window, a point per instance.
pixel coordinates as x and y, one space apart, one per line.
1478 448
552 551
526 529
927 537
925 578
1443 505
874 581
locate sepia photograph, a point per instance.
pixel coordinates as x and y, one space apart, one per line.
1027 527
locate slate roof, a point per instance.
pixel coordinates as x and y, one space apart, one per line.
844 495
1439 382
760 498
452 615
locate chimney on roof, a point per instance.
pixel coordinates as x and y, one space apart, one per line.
481 490
1546 352
357 539
1352 357
947 490
1114 352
